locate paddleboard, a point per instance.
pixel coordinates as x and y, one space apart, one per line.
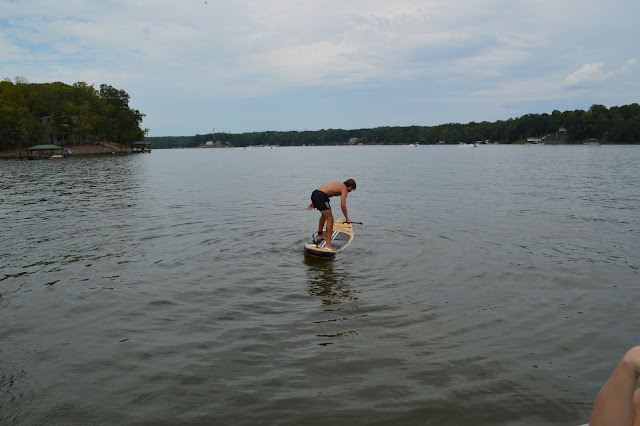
341 238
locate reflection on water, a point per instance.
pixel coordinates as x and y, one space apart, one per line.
331 284
326 282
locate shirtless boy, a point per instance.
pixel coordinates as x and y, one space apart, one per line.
320 200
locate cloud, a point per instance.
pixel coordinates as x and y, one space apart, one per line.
252 56
587 75
593 75
629 65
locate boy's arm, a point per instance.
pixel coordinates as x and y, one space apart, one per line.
343 203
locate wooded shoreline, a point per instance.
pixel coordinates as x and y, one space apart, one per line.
605 125
66 116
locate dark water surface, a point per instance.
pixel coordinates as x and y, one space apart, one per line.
495 285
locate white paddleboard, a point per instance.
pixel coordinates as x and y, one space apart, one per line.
341 238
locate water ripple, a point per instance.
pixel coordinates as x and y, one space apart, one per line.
490 285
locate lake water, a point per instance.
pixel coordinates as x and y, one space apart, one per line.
495 285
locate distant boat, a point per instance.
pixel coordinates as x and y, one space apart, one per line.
43 151
141 146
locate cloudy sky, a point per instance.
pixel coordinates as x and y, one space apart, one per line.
253 65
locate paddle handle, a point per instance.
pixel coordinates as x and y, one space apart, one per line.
358 223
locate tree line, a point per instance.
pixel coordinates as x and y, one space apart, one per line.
608 125
65 115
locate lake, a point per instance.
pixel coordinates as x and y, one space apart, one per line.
495 285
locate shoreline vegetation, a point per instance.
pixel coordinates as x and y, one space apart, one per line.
69 116
85 120
598 125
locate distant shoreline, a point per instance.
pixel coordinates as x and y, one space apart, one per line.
548 142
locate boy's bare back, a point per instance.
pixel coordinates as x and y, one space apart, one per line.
333 188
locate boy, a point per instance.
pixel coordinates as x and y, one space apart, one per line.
320 200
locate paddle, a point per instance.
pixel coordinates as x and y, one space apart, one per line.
357 223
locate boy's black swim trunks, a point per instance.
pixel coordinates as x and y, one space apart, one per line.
320 200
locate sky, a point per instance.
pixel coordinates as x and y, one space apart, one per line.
236 66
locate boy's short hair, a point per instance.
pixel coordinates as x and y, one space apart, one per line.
350 183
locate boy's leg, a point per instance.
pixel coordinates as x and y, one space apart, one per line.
321 227
328 216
